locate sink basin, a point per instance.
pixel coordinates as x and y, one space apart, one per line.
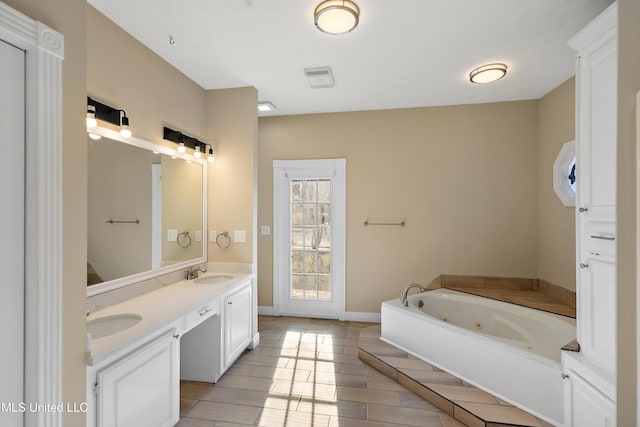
110 325
210 280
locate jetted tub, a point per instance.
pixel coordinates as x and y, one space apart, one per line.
510 351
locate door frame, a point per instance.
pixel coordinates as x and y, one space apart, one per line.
44 52
281 261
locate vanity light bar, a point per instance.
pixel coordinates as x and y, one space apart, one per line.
185 141
178 137
99 111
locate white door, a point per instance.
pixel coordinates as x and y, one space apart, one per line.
12 170
309 238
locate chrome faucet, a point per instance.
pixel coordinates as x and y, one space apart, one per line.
193 273
405 293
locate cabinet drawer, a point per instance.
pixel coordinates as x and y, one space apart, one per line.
199 315
599 240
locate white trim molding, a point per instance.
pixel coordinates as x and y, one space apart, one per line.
358 316
44 51
350 316
283 172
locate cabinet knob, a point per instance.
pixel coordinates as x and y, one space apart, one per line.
229 303
583 265
176 336
564 376
583 209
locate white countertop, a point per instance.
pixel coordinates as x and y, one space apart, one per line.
158 309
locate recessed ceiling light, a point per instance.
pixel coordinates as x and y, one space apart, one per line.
488 73
336 16
266 106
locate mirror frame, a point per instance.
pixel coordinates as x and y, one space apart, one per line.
122 282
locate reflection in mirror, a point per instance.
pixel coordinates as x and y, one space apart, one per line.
145 211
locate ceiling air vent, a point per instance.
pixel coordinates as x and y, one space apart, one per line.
319 77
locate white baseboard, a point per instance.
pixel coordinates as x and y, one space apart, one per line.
265 310
353 316
359 316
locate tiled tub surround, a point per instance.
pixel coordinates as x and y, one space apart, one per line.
461 400
500 349
533 293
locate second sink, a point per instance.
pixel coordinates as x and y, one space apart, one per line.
110 325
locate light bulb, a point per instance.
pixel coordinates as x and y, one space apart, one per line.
124 127
197 153
181 148
91 116
125 132
210 158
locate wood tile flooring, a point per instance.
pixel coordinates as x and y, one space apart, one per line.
305 372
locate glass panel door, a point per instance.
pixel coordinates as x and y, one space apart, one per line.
310 230
309 238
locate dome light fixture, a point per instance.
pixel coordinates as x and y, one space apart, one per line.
488 73
336 16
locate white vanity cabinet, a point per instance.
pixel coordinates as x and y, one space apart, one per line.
587 393
237 322
188 330
141 389
590 374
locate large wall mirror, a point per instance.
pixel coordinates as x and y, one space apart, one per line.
146 211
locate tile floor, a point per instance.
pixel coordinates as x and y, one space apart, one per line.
305 372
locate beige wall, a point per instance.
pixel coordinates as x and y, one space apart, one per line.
465 178
125 74
627 278
556 223
232 126
68 17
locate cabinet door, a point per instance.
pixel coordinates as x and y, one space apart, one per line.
142 389
597 132
237 324
596 194
597 302
587 407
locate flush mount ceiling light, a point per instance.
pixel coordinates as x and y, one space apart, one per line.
266 106
336 16
488 73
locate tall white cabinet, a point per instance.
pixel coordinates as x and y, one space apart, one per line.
591 373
